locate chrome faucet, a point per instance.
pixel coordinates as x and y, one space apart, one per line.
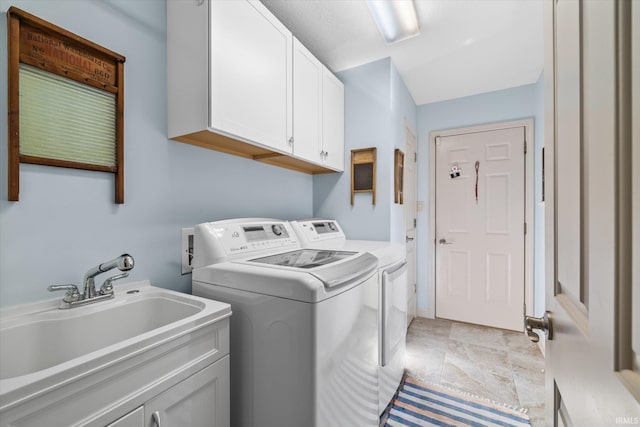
123 263
90 295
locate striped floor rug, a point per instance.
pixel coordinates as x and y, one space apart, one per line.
419 404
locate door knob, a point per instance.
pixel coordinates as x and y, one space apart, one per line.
444 242
541 323
408 239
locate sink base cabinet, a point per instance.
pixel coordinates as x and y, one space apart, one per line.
134 418
202 400
185 379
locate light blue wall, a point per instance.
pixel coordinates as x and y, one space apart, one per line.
376 105
367 124
508 104
402 108
66 222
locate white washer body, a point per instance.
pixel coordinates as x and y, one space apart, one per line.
392 279
304 346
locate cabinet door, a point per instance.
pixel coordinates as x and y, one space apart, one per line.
333 120
307 104
250 82
202 400
134 418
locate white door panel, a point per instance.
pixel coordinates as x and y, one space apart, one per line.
569 152
590 374
480 228
459 275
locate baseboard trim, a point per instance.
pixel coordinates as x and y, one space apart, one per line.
427 314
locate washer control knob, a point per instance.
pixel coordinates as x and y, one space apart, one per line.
277 229
332 226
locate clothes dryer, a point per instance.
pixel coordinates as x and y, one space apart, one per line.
304 342
392 279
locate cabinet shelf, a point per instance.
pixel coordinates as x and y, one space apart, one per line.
228 145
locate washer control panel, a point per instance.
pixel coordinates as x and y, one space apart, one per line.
226 240
242 238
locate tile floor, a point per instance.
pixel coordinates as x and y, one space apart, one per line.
500 365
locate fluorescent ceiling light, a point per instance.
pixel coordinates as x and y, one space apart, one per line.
396 19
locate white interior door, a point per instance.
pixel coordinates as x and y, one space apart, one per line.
480 216
410 210
591 376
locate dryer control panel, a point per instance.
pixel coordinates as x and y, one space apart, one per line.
224 240
316 230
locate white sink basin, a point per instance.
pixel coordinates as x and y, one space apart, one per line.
50 338
42 346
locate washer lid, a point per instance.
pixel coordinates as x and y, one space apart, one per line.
333 268
306 285
305 258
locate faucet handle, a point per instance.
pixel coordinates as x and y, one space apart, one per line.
72 292
107 286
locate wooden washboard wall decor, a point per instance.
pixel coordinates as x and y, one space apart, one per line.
363 172
66 101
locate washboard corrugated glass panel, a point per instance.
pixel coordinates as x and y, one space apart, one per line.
66 120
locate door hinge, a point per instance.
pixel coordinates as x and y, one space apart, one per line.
525 228
415 223
415 157
524 309
525 147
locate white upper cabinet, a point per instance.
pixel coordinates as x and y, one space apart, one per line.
230 78
250 63
332 120
318 111
307 103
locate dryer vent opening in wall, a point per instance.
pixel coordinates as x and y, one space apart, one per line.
186 248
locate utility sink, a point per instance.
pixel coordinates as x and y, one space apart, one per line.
42 346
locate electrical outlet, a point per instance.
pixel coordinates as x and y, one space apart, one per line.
186 246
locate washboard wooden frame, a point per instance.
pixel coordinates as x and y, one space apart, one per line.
79 60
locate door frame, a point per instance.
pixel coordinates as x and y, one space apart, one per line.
413 287
528 208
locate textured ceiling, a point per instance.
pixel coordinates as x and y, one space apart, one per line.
465 46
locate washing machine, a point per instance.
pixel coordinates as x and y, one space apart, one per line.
303 333
392 279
